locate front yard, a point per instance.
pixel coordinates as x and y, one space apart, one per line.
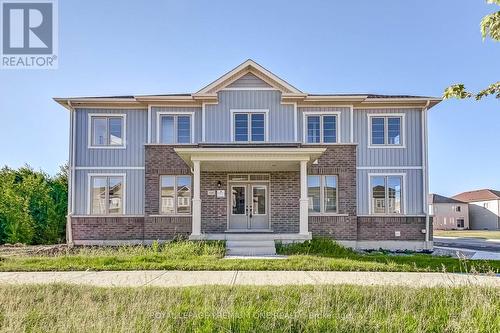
317 254
487 234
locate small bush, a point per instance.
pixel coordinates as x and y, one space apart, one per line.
317 246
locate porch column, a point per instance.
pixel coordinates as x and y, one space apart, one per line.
196 200
304 203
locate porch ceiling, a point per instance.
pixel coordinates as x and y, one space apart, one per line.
249 159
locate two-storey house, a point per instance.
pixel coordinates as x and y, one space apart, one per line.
250 154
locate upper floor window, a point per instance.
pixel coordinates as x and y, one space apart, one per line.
458 209
107 131
249 126
106 194
322 194
386 130
386 194
175 193
321 128
175 128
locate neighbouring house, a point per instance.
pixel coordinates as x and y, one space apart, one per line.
484 208
250 157
448 213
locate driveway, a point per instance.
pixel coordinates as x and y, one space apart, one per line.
478 244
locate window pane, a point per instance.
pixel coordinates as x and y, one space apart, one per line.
259 200
329 129
394 130
241 127
378 194
115 195
183 129
313 193
115 131
167 194
330 193
99 130
378 131
394 194
238 200
167 129
98 195
313 129
258 127
183 195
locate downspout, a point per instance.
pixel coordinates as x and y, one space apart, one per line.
71 176
425 164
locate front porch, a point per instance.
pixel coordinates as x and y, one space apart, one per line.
250 192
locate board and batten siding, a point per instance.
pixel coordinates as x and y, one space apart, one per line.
197 120
249 80
136 136
218 116
411 155
413 190
343 123
134 190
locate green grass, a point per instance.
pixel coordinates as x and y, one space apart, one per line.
489 234
318 254
64 308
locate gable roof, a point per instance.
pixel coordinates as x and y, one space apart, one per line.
478 195
438 199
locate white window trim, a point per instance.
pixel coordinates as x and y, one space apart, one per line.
403 193
265 194
175 113
175 213
306 114
322 196
90 144
89 192
402 130
250 111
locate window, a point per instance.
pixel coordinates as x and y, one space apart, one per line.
386 194
458 209
322 194
321 128
485 205
107 131
460 223
106 195
175 129
249 127
175 193
386 130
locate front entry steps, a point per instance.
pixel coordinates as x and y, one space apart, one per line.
250 247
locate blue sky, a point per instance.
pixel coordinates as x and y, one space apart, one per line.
146 47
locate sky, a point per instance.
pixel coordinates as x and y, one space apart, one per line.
150 47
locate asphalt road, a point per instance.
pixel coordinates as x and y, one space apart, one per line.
468 243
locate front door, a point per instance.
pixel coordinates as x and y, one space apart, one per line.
248 206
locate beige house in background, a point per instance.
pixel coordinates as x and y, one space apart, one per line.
484 208
448 213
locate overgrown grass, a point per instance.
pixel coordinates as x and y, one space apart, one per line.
318 254
64 308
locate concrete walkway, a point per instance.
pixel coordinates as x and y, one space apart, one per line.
254 278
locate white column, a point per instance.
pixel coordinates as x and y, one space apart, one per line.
304 215
196 200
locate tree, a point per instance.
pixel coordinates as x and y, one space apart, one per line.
490 27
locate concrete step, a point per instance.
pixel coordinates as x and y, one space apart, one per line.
251 251
250 236
250 246
249 243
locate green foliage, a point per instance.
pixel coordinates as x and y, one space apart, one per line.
33 206
490 27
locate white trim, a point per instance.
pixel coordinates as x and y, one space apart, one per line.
306 114
322 211
89 190
159 114
389 167
110 107
110 168
248 88
176 213
250 111
264 186
403 192
351 124
388 108
425 172
149 123
106 115
323 106
385 116
203 134
73 160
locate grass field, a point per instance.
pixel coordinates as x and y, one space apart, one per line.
489 234
64 308
185 255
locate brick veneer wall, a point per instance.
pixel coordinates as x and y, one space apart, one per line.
284 199
213 209
107 228
383 228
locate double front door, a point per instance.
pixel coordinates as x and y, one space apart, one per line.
248 205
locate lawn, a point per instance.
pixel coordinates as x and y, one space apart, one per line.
318 254
64 308
489 234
